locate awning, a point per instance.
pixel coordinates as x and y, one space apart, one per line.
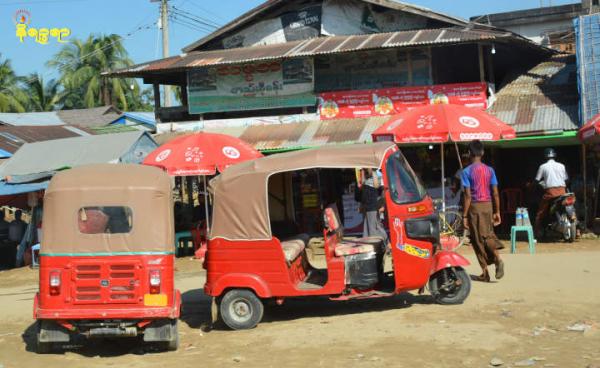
7 189
316 46
568 138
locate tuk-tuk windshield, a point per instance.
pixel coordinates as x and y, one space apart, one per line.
404 186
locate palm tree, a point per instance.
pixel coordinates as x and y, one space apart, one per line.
11 96
42 96
81 63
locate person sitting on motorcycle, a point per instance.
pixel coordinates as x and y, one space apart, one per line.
552 176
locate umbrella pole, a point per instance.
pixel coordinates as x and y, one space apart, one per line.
460 164
585 196
443 177
206 206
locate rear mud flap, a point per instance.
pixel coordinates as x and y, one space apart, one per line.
162 330
52 332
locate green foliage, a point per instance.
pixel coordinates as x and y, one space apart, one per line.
81 84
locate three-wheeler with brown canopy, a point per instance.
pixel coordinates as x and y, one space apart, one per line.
107 259
247 262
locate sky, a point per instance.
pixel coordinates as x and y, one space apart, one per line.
135 21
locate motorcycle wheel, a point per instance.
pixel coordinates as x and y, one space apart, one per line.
573 232
450 286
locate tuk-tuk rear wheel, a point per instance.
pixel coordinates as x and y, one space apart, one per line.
241 309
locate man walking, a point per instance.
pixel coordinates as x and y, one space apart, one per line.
553 177
480 215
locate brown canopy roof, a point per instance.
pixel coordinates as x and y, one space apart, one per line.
241 209
145 190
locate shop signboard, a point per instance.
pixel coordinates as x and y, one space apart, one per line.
253 86
390 101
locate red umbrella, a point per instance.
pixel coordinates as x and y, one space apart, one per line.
590 132
201 154
441 123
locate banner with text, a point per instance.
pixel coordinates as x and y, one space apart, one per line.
390 101
264 85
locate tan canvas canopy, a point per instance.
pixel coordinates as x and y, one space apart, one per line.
145 190
241 209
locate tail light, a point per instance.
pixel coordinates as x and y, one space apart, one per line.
54 282
569 201
155 282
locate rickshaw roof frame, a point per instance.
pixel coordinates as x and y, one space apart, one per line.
249 220
146 190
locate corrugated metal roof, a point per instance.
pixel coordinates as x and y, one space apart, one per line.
315 46
262 9
298 135
13 137
31 118
542 99
49 156
97 116
94 117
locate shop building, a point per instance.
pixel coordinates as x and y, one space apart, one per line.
297 74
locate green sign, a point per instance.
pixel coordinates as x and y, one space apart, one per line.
256 86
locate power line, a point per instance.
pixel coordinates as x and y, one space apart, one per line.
190 25
195 17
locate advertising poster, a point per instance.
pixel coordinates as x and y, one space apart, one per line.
264 85
390 101
303 24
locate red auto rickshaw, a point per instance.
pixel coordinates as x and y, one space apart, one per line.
246 264
106 258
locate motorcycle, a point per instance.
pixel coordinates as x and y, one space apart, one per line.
562 219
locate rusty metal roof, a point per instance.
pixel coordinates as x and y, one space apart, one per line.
315 46
13 137
543 99
262 9
288 136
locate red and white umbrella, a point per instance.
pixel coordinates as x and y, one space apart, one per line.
590 132
201 154
441 123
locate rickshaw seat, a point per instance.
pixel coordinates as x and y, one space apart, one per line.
293 247
350 246
349 249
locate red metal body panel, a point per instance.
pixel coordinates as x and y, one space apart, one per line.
261 267
105 287
444 259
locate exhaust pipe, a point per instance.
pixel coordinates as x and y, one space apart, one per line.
112 332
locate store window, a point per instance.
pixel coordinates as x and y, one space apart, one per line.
105 220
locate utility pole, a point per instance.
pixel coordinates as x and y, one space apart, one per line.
164 22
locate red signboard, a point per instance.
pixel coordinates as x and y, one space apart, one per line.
390 101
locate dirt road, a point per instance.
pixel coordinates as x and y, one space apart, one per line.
524 316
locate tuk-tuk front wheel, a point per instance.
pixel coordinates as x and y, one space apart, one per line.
241 309
450 286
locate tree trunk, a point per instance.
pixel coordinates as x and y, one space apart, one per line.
105 92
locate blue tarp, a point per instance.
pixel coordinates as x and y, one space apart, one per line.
5 154
12 189
587 42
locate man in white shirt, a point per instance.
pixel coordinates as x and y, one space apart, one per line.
553 177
